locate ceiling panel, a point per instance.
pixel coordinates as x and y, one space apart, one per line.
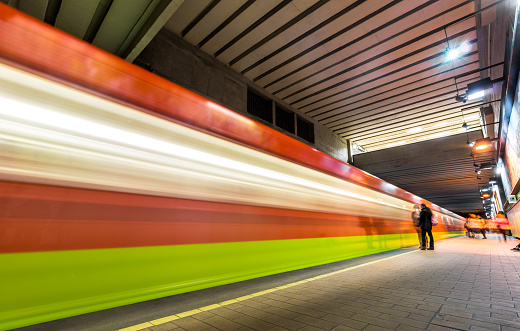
441 170
182 18
237 24
351 65
215 17
75 16
275 20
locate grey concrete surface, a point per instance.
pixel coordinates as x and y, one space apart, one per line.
170 57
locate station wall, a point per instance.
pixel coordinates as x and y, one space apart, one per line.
172 58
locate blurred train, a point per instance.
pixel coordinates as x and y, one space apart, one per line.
118 186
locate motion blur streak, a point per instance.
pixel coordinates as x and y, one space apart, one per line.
96 190
62 131
107 197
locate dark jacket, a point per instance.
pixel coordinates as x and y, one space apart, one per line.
425 219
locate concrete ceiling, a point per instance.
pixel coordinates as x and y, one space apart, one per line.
373 71
123 28
439 170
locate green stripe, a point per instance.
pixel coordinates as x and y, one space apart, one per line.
44 286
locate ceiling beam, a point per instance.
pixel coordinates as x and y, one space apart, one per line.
160 15
35 8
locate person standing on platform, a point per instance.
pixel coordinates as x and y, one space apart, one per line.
481 226
416 223
425 219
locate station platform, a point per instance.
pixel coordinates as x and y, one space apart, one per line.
464 284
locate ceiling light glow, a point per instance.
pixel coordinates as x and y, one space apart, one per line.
483 143
438 134
465 47
414 130
452 54
473 117
476 95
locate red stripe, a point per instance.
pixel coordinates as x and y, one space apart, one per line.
44 218
63 58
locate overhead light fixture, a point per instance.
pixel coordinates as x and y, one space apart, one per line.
484 143
358 147
461 98
493 180
465 126
482 87
487 165
479 86
485 195
451 54
478 89
476 95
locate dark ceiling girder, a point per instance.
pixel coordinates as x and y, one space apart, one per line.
375 145
438 107
409 115
360 132
339 130
199 17
95 24
402 95
226 22
284 27
345 46
393 117
390 140
252 27
53 7
434 45
427 59
322 42
391 82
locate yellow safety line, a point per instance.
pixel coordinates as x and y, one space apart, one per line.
228 302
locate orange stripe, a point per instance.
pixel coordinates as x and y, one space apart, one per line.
43 218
